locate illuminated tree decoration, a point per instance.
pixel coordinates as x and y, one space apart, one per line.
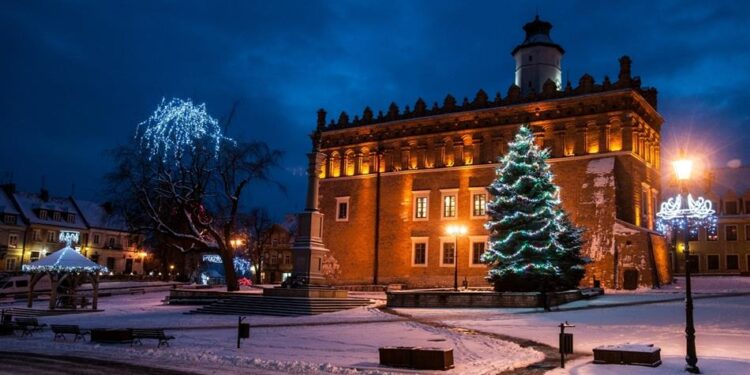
179 126
675 214
533 246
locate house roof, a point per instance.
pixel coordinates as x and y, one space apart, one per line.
31 203
97 216
6 205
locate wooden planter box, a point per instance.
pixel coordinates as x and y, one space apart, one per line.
111 335
396 356
629 354
417 358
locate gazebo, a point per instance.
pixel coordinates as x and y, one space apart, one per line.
65 264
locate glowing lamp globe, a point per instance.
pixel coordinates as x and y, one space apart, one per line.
683 168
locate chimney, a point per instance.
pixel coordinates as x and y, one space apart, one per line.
44 195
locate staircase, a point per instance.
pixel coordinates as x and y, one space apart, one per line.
279 306
32 313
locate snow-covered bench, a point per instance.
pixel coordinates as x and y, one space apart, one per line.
60 330
156 334
629 354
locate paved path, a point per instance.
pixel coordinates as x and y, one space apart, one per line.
39 364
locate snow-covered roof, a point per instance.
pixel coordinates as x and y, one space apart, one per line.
96 215
6 205
31 203
66 259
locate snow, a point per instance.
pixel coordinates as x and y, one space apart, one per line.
671 365
628 347
341 343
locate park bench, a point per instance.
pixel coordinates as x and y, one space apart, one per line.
61 330
153 333
28 325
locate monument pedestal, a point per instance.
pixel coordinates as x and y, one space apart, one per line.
308 248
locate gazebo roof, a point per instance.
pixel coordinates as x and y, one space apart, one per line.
66 259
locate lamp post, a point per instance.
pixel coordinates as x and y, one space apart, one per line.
455 230
680 212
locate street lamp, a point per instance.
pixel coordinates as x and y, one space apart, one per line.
455 230
680 212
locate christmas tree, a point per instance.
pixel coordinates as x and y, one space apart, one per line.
532 246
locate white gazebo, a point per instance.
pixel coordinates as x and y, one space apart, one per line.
66 263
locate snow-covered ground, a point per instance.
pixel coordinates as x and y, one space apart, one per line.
348 341
342 342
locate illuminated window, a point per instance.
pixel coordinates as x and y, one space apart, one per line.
478 205
13 240
342 209
449 203
447 253
421 207
419 251
34 256
711 235
730 232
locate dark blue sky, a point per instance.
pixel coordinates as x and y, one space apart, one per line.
77 76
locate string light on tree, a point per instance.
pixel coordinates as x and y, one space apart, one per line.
178 126
533 245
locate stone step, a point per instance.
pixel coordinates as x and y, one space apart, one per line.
279 306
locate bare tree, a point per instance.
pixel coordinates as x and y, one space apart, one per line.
258 226
189 192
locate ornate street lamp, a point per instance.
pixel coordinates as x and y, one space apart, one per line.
455 230
685 214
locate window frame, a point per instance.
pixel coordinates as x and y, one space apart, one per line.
416 194
414 242
56 216
726 260
747 232
708 262
444 193
709 237
443 242
43 214
8 265
51 236
475 240
476 191
339 201
736 233
12 244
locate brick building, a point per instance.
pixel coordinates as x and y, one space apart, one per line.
390 183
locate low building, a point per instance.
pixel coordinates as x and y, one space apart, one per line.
278 254
32 222
727 250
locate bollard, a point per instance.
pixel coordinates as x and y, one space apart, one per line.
566 342
243 330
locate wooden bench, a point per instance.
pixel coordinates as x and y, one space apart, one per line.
61 330
629 354
28 325
155 333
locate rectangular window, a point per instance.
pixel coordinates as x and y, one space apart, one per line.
419 251
449 206
747 207
421 208
85 239
730 208
10 264
713 262
10 219
56 216
71 218
51 236
477 249
733 262
111 264
478 205
43 214
342 209
34 256
96 239
448 254
111 242
747 232
13 240
36 235
711 235
693 234
287 259
731 232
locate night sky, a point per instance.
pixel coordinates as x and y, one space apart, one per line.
76 77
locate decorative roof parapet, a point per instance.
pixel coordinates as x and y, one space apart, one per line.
586 85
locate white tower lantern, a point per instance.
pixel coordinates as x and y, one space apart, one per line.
537 58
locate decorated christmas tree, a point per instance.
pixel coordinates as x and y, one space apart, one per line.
532 244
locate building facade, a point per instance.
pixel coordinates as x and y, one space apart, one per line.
391 183
40 218
725 251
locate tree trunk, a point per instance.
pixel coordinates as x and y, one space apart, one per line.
227 258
